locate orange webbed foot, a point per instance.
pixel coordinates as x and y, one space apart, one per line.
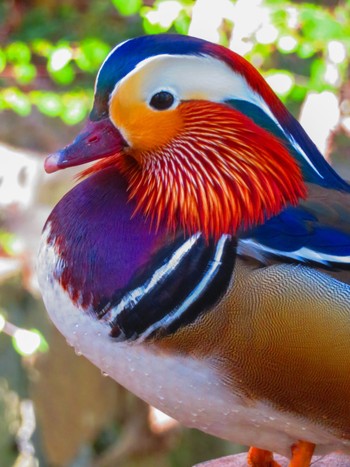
302 452
261 458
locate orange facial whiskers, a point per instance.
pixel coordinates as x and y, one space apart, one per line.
221 173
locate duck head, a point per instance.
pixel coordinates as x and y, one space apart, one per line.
203 142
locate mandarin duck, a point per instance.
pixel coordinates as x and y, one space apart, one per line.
202 261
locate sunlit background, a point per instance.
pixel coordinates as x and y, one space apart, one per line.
55 408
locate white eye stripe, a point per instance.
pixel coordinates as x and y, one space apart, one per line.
199 77
189 75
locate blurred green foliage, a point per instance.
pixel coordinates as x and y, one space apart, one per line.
50 61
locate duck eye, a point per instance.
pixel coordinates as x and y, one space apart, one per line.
162 100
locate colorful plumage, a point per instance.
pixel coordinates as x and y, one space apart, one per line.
203 259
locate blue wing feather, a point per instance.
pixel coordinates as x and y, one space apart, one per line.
295 229
318 229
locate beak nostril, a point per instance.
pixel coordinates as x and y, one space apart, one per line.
93 139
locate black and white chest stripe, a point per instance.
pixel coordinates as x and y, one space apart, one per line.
184 280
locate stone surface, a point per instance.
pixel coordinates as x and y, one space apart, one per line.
240 460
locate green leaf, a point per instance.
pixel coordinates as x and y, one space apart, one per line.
305 49
24 73
74 110
151 28
127 8
42 47
17 101
318 69
298 93
151 24
18 52
59 58
48 103
7 241
161 17
3 104
91 54
182 23
64 75
319 24
2 60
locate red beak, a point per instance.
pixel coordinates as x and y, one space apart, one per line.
97 140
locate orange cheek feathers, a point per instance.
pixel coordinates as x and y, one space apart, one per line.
219 174
208 169
143 128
